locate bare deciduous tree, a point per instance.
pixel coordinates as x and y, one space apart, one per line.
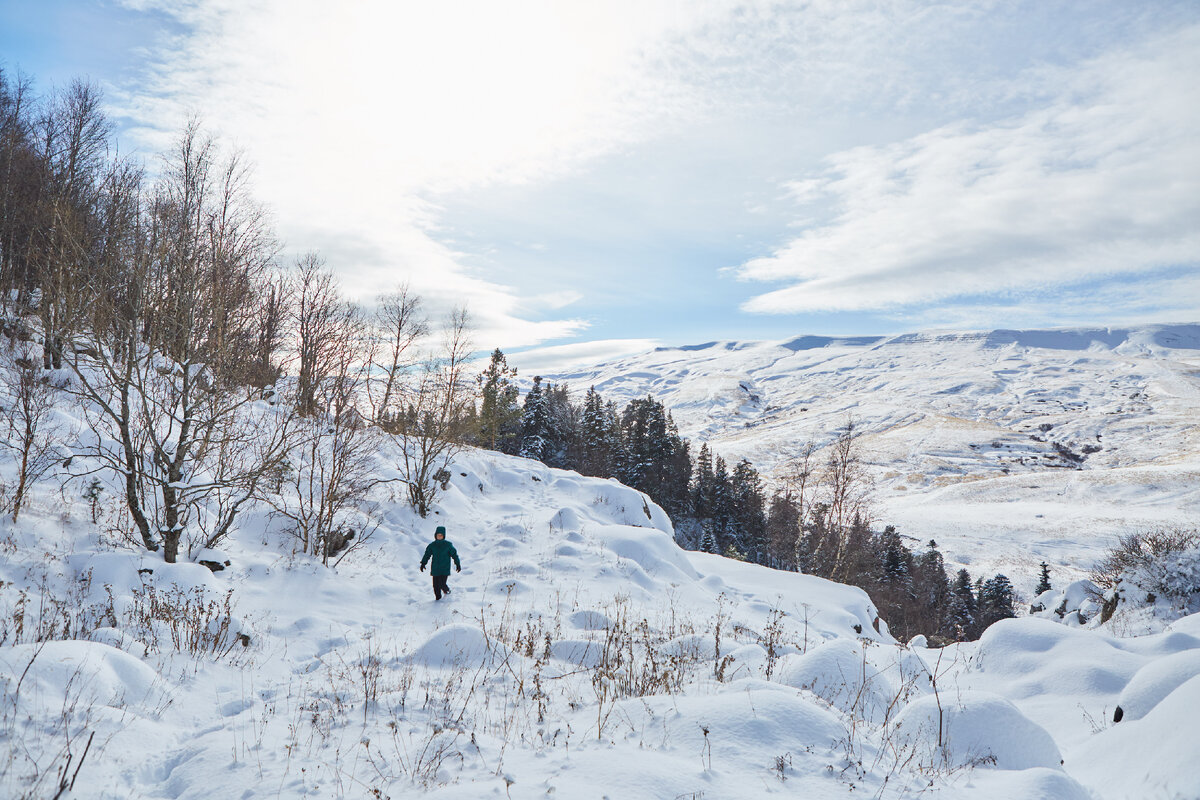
799 481
847 487
321 323
31 436
430 431
158 378
396 327
326 495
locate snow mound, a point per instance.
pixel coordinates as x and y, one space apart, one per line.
651 549
976 728
1038 656
455 645
579 652
119 571
1187 625
567 519
103 675
839 672
1041 783
1074 605
590 620
1150 757
120 640
1155 681
737 719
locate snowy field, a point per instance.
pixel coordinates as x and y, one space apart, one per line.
1007 447
582 654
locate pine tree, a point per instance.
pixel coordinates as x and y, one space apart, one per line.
701 488
931 587
563 432
499 415
995 601
783 531
618 455
860 562
888 576
1044 582
595 447
961 617
677 473
722 508
812 553
535 423
895 560
749 514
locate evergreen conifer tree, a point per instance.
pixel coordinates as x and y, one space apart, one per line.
783 531
896 565
931 587
499 415
535 423
677 473
748 511
562 427
595 447
961 617
1044 582
722 510
618 455
995 601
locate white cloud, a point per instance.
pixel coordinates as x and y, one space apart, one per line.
556 300
1152 299
563 358
1103 181
365 117
357 114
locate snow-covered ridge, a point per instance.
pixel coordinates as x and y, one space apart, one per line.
1006 446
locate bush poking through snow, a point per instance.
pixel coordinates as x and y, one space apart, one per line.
149 619
1145 568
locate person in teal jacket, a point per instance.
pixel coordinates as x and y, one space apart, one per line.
441 552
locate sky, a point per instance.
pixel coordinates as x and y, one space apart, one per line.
600 178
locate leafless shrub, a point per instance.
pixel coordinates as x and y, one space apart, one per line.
172 619
430 429
28 431
1148 556
772 639
187 621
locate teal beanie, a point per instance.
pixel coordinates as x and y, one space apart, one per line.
440 529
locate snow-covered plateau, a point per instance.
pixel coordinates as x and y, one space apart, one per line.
583 654
1007 447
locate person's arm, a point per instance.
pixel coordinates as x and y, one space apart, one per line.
427 556
454 555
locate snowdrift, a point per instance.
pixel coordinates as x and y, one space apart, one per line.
581 654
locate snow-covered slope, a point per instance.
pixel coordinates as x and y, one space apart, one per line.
581 655
1008 447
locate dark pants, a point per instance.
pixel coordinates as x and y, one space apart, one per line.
439 586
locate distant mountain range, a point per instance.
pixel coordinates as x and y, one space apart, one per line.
977 431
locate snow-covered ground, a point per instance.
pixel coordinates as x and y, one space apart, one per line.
581 655
1007 447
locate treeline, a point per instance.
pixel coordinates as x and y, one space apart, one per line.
817 521
209 374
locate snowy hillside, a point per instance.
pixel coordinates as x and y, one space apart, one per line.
581 655
1008 447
